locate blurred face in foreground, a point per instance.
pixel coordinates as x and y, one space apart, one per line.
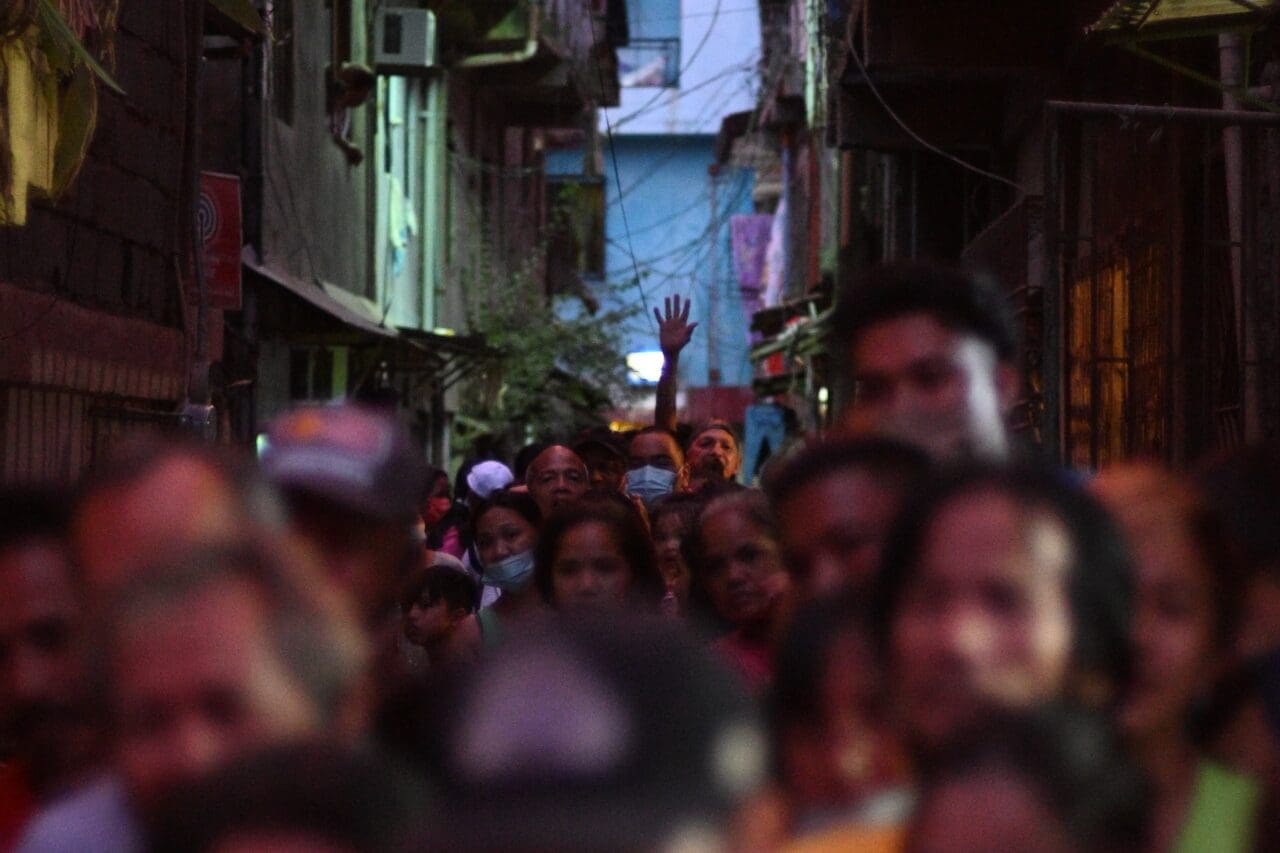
42 701
182 501
942 390
199 684
364 555
590 571
744 574
1176 645
833 528
985 621
1174 642
557 478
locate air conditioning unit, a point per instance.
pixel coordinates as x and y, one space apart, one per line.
405 41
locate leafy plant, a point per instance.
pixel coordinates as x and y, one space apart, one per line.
63 47
559 371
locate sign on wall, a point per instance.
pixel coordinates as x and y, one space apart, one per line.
218 218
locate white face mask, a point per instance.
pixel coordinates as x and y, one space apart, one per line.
510 573
650 483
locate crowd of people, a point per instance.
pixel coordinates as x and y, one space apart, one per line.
911 635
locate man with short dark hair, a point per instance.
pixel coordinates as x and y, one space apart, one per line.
929 356
601 451
655 465
713 456
203 658
351 479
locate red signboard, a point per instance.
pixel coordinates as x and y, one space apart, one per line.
218 217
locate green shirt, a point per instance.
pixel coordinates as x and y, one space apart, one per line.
1224 812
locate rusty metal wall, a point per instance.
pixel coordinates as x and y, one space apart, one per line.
51 435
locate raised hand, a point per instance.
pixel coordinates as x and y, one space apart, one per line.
674 329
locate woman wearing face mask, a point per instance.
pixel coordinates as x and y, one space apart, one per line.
506 531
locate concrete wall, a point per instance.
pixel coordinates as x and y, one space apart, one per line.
109 243
317 206
91 345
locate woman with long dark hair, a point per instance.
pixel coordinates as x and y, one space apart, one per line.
596 556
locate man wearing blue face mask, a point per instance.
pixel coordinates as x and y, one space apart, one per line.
655 465
506 530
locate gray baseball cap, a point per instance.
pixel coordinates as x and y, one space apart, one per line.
359 458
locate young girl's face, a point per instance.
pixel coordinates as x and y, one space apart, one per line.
428 622
669 530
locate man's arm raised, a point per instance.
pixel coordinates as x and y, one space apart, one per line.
674 333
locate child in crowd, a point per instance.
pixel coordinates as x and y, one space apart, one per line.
436 604
670 521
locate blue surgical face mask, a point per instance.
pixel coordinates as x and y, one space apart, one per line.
650 482
510 573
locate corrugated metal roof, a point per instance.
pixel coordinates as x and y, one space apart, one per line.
1138 16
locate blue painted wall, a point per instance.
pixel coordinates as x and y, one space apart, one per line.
666 196
664 140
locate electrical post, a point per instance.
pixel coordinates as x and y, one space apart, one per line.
713 291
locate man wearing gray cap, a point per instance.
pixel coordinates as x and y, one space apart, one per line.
351 479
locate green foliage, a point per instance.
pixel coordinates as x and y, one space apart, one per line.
559 371
63 50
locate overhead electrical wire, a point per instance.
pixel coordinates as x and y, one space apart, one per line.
706 37
613 156
926 144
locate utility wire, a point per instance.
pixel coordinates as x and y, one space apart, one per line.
686 249
927 145
691 248
617 177
653 105
711 27
735 10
